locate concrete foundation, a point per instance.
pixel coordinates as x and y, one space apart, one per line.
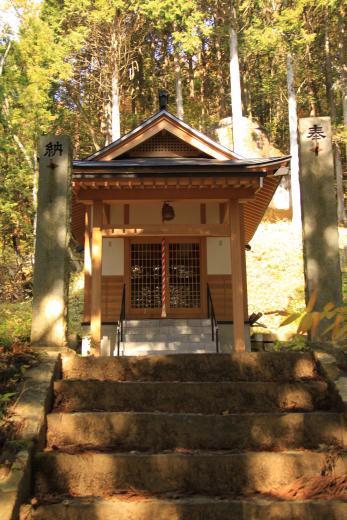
109 339
226 337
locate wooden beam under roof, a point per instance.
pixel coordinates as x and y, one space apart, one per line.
129 195
199 182
203 230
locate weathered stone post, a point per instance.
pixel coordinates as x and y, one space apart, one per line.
51 269
319 212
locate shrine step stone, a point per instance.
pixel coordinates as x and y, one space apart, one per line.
167 336
237 366
251 436
192 397
186 508
168 431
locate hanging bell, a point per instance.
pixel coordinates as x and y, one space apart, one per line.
167 212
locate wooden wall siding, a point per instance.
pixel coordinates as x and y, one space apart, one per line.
111 294
111 298
220 286
254 209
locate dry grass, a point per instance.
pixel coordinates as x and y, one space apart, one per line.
315 488
275 272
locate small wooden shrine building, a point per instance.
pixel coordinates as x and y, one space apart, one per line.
164 213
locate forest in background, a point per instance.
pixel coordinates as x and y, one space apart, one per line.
93 69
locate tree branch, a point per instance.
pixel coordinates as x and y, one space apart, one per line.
4 57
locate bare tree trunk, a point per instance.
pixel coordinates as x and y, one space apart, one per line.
191 78
339 184
235 84
312 101
178 85
328 74
247 96
294 149
221 86
35 185
106 126
202 76
115 103
332 110
343 62
154 93
312 97
86 121
141 85
4 57
338 162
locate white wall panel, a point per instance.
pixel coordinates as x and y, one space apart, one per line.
113 256
218 255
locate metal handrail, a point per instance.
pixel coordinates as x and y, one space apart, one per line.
212 315
120 323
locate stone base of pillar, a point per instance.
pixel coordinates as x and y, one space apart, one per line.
226 337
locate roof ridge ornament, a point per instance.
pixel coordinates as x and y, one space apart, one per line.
163 99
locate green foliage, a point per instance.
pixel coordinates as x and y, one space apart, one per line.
14 361
15 323
5 399
331 322
57 73
75 304
33 64
296 344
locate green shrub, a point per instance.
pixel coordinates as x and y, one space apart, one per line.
15 323
330 323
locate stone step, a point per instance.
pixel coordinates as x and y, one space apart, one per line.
152 335
182 350
187 508
211 473
169 343
197 397
154 431
181 330
168 322
137 348
245 366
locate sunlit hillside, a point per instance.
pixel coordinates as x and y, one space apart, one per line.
275 271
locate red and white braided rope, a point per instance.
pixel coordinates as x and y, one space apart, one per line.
163 279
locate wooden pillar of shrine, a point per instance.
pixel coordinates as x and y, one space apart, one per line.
238 270
95 304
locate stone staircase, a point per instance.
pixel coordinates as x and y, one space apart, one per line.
167 336
186 437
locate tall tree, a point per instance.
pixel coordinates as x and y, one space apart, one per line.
235 82
294 147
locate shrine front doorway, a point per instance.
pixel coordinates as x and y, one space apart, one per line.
167 274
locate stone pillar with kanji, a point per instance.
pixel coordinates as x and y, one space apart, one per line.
319 213
51 269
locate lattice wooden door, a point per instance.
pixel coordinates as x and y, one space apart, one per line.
145 278
183 278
